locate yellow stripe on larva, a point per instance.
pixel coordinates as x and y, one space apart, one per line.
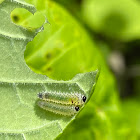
76 99
58 108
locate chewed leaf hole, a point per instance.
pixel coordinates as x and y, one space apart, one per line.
26 19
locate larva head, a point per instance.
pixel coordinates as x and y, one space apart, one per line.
84 99
77 108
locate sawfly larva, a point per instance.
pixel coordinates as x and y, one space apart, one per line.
58 108
76 99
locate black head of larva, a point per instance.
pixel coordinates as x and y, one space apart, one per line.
84 98
77 108
40 95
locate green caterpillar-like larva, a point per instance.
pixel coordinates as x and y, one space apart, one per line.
59 108
76 99
66 104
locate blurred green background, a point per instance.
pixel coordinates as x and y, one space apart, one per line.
83 35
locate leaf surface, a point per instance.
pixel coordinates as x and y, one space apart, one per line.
21 118
64 49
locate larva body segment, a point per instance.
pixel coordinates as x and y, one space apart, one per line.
58 108
76 99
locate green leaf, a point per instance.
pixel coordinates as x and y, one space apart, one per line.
118 19
21 118
131 108
64 49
